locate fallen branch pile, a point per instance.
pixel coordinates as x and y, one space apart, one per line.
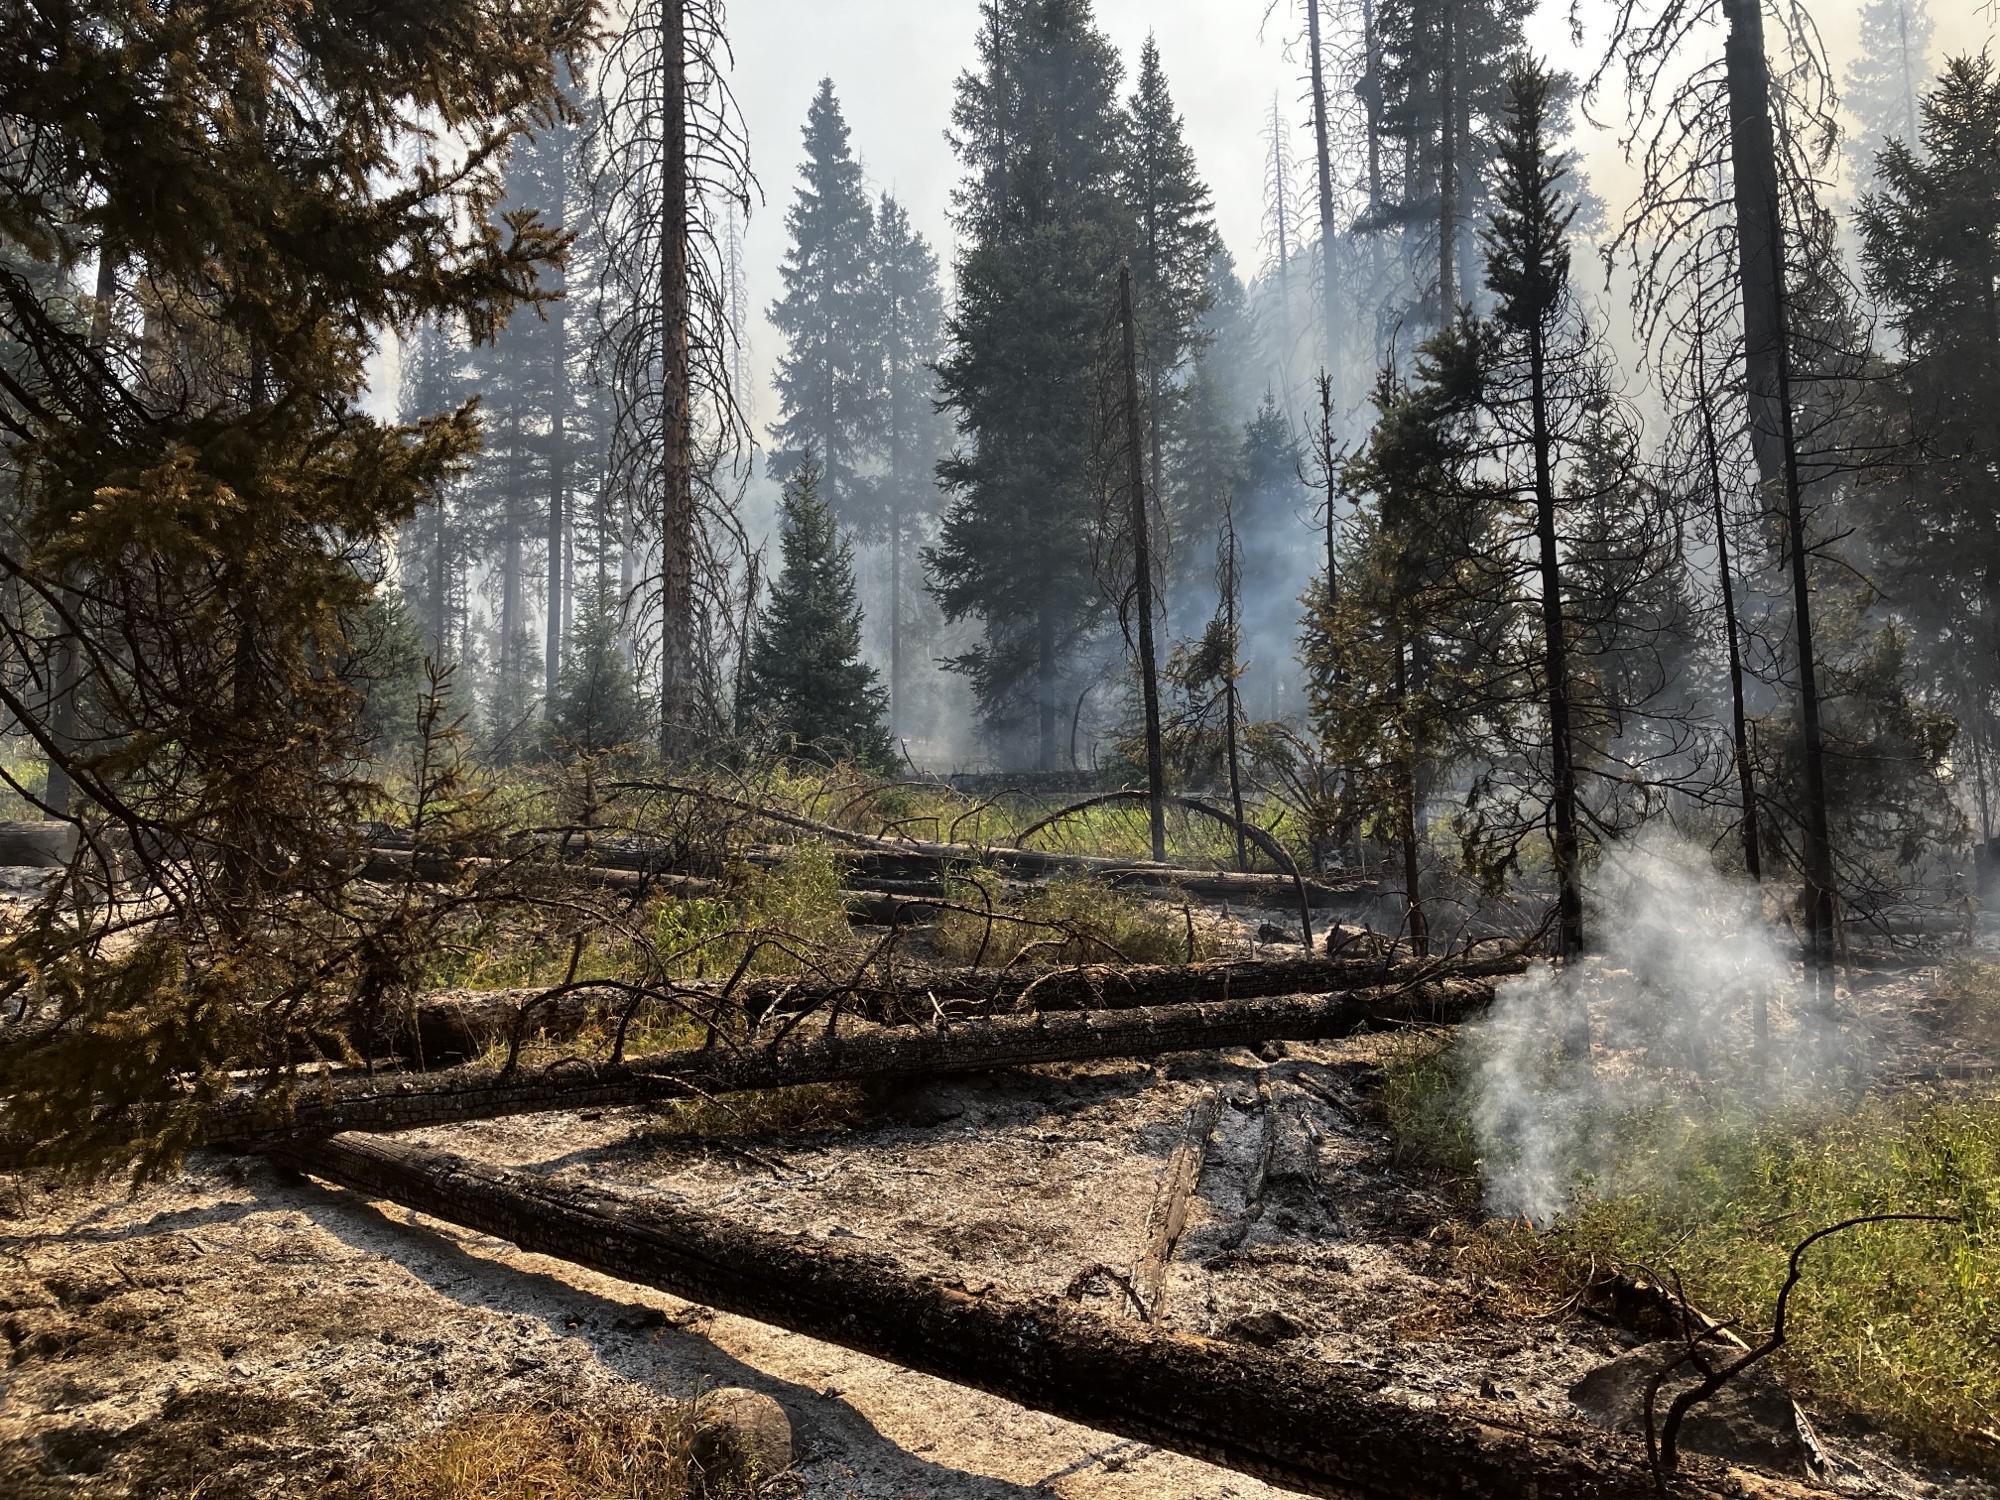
1314 1427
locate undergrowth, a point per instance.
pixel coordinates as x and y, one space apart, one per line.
1087 922
1899 1322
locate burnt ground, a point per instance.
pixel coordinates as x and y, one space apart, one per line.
238 1332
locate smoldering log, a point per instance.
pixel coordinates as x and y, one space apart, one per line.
1312 1427
867 1054
464 1023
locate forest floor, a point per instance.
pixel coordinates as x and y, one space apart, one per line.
239 1332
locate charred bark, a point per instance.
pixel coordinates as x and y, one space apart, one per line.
864 1055
1307 1425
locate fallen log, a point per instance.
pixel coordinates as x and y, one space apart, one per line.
1168 1215
911 855
1314 1427
866 1055
42 846
464 1023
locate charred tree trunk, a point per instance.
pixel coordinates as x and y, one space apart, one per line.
1754 167
1324 155
466 1023
1305 1425
678 687
1555 659
867 1055
1142 576
1230 706
1448 166
558 530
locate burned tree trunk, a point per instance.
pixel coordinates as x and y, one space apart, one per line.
1309 1426
1142 578
465 1023
865 1055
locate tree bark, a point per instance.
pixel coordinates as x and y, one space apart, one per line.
1754 169
1307 1425
1555 654
465 1023
677 512
1142 571
1325 161
865 1055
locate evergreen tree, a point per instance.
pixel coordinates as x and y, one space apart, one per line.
219 492
829 378
1884 82
807 686
1407 661
913 435
1043 224
1174 250
597 706
432 548
1931 246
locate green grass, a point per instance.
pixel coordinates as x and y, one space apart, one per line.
799 900
1088 922
1900 1322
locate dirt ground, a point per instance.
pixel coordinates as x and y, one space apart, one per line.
239 1332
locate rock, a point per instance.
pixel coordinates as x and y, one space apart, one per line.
1749 1420
1271 932
1265 1328
741 1438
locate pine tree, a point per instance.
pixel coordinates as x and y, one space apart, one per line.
1407 660
829 379
1174 251
807 687
597 706
432 548
1931 246
1885 81
1043 223
1527 269
218 493
913 436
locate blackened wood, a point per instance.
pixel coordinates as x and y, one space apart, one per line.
1318 1428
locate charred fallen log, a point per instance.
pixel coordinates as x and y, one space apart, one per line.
865 1055
465 1023
1311 1426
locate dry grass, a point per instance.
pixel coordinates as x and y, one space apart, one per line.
541 1454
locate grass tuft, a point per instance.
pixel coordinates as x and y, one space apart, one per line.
550 1454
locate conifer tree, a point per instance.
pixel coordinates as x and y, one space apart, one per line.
1527 269
1931 247
830 376
910 307
1043 221
225 494
597 706
1884 83
807 687
1173 252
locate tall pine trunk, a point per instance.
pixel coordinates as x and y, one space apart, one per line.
1448 169
1754 167
558 533
677 510
1555 660
1142 568
1323 154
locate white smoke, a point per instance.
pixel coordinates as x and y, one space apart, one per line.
1682 955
